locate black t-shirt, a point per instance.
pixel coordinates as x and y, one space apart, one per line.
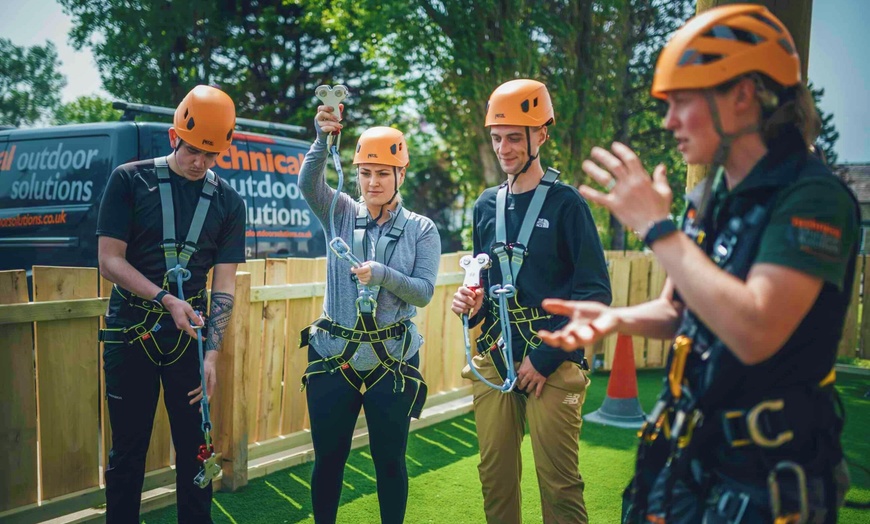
564 260
131 211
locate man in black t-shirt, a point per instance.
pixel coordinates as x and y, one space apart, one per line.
151 324
561 257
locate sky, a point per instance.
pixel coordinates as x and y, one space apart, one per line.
838 60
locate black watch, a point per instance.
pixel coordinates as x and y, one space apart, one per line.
658 230
158 299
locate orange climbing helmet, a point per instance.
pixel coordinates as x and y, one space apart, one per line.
382 145
722 44
205 119
521 102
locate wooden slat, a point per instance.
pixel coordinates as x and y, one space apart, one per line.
620 279
849 342
68 383
272 363
638 293
230 399
254 353
655 349
435 357
105 426
299 315
52 310
18 429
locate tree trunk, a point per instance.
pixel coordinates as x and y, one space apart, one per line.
796 15
491 174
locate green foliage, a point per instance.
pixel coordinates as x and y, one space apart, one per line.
85 109
29 83
269 55
828 134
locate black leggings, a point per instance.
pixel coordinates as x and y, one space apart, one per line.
333 407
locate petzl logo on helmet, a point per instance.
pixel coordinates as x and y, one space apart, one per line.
373 155
499 115
208 142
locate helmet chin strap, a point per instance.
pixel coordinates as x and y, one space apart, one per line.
531 159
726 140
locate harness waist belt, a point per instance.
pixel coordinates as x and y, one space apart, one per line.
393 331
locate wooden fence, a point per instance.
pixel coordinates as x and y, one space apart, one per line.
54 432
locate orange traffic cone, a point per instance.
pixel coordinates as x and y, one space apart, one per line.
621 407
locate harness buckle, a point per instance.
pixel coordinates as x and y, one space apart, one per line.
732 504
755 428
332 365
776 498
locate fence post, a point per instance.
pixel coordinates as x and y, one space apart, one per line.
232 417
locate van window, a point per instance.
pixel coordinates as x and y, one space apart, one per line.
49 190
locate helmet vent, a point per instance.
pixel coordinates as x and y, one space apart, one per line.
535 102
692 57
190 124
768 21
732 33
786 45
186 112
230 134
393 149
525 106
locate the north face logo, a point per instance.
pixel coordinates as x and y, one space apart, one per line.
543 223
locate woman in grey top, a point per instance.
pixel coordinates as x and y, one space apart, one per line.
365 337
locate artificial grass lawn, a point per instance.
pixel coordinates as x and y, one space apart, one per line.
442 465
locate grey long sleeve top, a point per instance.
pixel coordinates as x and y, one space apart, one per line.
407 283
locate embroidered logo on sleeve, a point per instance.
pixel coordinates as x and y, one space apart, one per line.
817 238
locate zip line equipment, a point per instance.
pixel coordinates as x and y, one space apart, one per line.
366 329
473 267
510 258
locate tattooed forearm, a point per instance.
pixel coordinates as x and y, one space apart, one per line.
218 319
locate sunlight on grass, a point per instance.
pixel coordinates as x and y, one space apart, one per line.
455 439
438 444
361 472
285 497
444 486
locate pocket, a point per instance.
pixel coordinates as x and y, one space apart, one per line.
569 377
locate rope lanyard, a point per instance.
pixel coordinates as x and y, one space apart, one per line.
332 96
473 267
510 258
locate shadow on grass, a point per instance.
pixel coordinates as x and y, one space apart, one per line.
285 496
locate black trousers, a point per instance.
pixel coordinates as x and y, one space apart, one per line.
333 407
133 378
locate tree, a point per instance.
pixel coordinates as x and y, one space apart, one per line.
828 135
645 26
268 55
85 109
29 82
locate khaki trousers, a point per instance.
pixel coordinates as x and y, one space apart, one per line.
554 426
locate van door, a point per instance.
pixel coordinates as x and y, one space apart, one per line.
49 198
